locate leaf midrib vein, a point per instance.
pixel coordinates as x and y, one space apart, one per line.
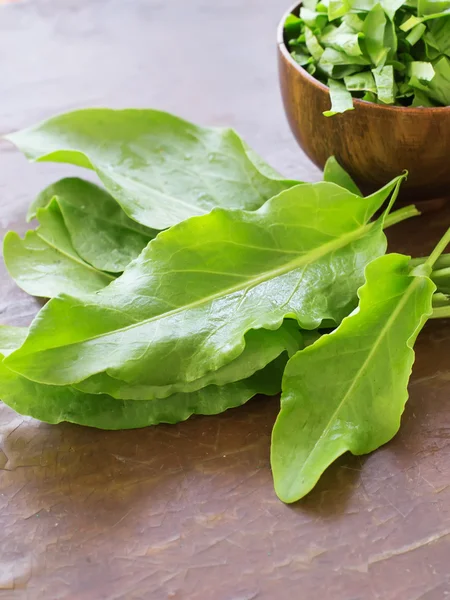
161 193
74 258
360 372
315 254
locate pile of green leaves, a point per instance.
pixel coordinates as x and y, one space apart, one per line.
394 52
198 277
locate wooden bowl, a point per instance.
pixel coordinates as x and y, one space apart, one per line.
373 143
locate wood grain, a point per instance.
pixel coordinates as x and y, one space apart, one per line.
188 512
373 143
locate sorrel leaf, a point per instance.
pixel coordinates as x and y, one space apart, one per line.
348 390
46 264
183 307
160 168
334 173
55 404
261 348
100 231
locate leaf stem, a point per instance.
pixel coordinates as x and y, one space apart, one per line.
441 312
441 306
441 278
439 249
394 197
440 299
442 262
401 215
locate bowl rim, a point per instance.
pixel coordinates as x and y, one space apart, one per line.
356 101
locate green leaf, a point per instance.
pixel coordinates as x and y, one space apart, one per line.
439 86
364 5
339 58
433 7
341 99
390 7
353 22
313 19
390 40
311 4
421 99
343 42
45 262
292 26
314 48
438 89
410 23
439 35
100 231
161 169
336 65
325 410
374 31
415 34
359 82
338 8
386 88
261 348
334 173
369 97
423 71
11 338
55 404
183 307
404 90
401 68
337 72
301 58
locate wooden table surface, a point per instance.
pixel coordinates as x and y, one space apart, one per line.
189 512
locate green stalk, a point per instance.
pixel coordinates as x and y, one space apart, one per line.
443 262
440 300
439 249
441 312
441 278
401 215
441 306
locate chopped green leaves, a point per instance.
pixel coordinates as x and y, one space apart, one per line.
438 35
388 52
423 71
384 80
438 89
416 34
312 45
374 29
359 82
337 8
433 7
341 99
